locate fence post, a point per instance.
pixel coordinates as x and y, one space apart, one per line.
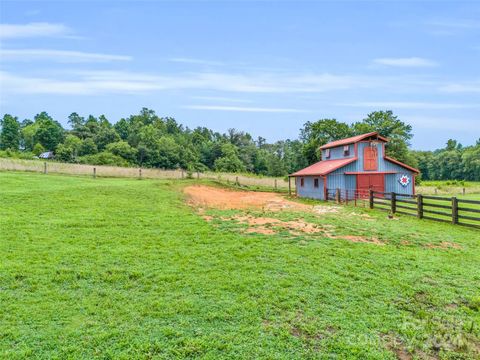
140 173
275 184
346 197
198 175
337 196
371 199
94 172
420 206
463 191
393 202
454 210
236 181
45 167
289 186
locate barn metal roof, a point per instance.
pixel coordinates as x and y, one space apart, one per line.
402 164
352 140
324 167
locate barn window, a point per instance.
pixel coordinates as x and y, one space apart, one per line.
302 182
315 183
370 158
327 153
346 150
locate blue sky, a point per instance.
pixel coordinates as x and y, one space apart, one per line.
264 67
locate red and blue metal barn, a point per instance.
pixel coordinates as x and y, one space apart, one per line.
355 165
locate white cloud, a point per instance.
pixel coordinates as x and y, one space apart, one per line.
243 109
58 55
99 82
455 23
442 123
405 62
220 98
470 87
196 61
40 29
409 105
85 85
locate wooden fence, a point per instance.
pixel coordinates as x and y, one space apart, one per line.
445 209
267 183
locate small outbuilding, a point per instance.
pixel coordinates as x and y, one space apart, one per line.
46 155
355 165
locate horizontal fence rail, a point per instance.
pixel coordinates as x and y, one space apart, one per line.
450 210
348 196
142 173
437 208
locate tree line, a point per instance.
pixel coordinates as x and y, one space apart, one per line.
147 140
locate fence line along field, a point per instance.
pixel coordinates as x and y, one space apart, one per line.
470 189
279 183
126 269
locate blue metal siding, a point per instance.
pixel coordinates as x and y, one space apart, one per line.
338 180
308 190
337 153
392 183
350 182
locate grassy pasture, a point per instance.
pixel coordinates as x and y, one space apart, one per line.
451 188
123 269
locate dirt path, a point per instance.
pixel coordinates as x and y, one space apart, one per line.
213 197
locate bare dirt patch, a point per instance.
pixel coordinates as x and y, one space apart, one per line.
270 226
443 245
359 239
395 345
204 197
212 197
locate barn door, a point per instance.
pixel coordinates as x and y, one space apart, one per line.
370 158
377 182
367 182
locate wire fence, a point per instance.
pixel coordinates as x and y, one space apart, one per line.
280 184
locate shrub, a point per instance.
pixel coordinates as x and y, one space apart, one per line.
103 158
38 149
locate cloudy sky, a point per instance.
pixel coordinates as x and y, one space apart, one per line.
260 66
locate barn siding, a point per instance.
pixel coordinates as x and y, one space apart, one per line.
351 183
308 190
337 153
392 184
338 180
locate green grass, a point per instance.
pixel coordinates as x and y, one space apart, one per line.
449 187
123 269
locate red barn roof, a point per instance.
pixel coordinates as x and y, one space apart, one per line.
402 164
324 167
352 140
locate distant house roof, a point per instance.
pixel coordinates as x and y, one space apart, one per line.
352 140
46 155
324 167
